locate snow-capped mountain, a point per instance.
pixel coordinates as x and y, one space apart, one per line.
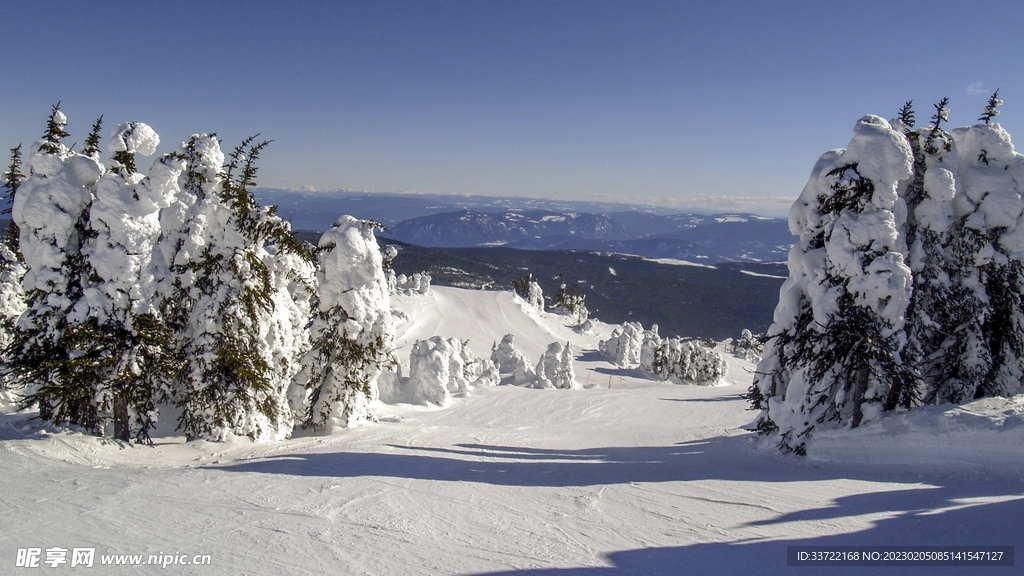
537 224
715 238
472 228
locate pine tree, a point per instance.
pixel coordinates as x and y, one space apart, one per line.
941 115
992 108
352 335
133 349
12 180
52 357
235 299
12 269
988 242
92 141
938 302
834 353
906 116
55 132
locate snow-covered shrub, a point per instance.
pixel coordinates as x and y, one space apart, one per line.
747 346
352 333
622 348
555 368
440 367
511 362
682 361
418 283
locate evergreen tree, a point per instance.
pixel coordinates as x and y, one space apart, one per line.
12 269
906 116
352 334
529 290
92 141
571 303
51 357
938 304
12 180
238 279
834 353
989 243
992 108
117 319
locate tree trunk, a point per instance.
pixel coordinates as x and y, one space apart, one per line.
121 431
860 387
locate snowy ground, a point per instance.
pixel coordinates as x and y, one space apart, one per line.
630 476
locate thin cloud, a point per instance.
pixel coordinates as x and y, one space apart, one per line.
977 88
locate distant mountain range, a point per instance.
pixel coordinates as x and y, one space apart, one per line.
706 239
309 210
436 220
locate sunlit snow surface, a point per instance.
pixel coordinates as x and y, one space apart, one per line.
629 476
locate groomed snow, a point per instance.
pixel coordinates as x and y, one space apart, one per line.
628 476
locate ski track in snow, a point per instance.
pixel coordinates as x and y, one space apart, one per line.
642 477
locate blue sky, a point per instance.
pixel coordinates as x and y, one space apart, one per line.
686 103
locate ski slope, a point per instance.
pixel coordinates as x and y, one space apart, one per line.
628 476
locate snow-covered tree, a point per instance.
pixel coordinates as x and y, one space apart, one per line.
623 347
130 347
679 360
989 239
555 369
529 290
833 355
571 303
748 346
944 314
50 357
352 333
417 283
388 255
12 268
511 362
233 294
91 145
991 109
441 367
12 180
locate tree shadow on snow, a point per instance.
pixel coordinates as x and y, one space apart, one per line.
942 509
988 524
729 398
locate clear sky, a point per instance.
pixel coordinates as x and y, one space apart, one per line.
673 102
